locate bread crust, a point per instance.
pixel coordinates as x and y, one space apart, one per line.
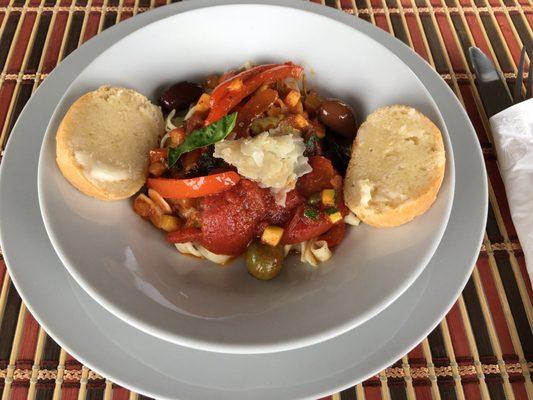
69 128
409 209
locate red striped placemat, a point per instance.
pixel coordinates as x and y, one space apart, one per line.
482 349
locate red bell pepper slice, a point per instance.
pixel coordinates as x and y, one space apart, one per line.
194 187
234 97
221 89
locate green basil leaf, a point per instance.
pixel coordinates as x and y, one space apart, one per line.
202 137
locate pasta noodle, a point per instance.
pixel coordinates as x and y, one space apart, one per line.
188 248
320 250
216 258
197 250
351 219
190 113
307 254
313 252
168 122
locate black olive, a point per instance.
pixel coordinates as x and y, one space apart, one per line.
180 96
339 117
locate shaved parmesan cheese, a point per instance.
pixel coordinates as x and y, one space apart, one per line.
273 161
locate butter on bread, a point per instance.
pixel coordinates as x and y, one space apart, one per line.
103 141
397 167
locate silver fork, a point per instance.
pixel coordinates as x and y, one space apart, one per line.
518 95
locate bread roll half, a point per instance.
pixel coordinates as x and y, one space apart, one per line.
103 142
396 168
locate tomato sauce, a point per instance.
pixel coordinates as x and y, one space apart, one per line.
230 220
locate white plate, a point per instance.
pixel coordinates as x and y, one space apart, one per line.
156 368
127 266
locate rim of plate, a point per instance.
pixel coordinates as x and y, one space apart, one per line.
400 345
153 325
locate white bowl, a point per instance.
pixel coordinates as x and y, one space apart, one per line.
127 266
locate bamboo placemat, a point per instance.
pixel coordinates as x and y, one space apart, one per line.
482 349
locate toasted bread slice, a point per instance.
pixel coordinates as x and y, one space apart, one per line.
397 167
103 141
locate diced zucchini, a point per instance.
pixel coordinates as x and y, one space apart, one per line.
328 197
272 235
203 103
335 217
169 223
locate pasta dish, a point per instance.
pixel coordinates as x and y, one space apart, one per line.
251 163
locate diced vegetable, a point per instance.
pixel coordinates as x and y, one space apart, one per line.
235 84
328 197
177 136
292 98
335 216
300 121
203 137
276 112
272 235
312 102
296 122
190 160
194 187
155 219
157 168
169 223
203 103
144 206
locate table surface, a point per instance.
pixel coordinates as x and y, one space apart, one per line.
482 349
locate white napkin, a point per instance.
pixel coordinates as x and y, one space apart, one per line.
512 130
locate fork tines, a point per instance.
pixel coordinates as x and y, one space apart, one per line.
518 97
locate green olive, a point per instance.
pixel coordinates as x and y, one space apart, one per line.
263 261
264 124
